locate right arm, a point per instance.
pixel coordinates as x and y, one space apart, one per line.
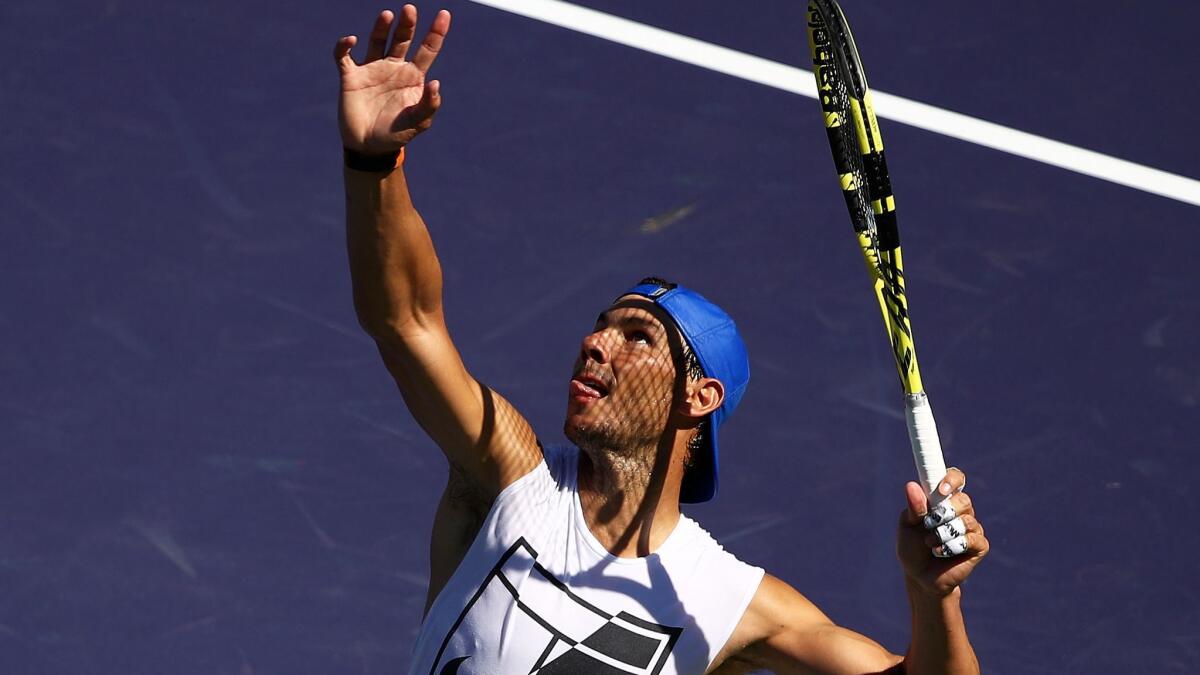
397 280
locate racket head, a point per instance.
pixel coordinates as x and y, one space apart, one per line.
838 85
856 143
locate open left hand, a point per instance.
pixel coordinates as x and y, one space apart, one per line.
386 101
939 548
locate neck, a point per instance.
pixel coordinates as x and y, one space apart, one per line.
631 500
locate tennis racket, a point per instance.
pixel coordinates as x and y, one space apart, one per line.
858 156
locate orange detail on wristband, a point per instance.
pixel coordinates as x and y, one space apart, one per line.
381 163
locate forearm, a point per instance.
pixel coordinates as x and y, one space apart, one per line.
939 636
395 272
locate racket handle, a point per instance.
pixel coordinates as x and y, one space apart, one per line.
926 447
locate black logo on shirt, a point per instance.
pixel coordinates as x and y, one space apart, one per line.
574 636
452 667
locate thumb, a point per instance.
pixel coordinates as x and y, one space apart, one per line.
431 99
419 116
918 503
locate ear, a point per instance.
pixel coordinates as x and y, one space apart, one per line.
704 396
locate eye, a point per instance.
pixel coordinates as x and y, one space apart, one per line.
639 336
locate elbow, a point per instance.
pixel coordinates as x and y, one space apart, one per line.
391 314
397 329
375 327
373 317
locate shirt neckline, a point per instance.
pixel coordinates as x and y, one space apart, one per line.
671 542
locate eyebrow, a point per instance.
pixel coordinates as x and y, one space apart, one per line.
631 320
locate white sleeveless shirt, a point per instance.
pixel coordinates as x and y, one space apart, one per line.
537 593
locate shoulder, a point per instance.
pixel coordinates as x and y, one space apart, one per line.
782 629
559 458
715 564
559 470
465 496
553 479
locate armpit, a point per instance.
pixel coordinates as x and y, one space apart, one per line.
465 494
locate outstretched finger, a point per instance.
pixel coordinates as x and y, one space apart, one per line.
406 27
432 44
379 36
341 52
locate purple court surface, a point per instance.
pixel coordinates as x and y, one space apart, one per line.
204 469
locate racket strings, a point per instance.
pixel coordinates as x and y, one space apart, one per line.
840 124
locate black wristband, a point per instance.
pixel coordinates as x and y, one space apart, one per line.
372 163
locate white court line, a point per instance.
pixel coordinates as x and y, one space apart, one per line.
896 108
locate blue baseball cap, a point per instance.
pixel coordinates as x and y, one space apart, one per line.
719 348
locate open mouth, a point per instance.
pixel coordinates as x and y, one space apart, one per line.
588 387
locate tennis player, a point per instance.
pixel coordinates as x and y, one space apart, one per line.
577 559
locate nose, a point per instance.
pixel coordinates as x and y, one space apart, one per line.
594 347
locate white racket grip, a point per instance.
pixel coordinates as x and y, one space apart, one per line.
926 447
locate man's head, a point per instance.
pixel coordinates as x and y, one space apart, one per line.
661 358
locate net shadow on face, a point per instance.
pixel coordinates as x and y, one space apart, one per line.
637 365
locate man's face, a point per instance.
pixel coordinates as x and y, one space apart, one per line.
624 379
